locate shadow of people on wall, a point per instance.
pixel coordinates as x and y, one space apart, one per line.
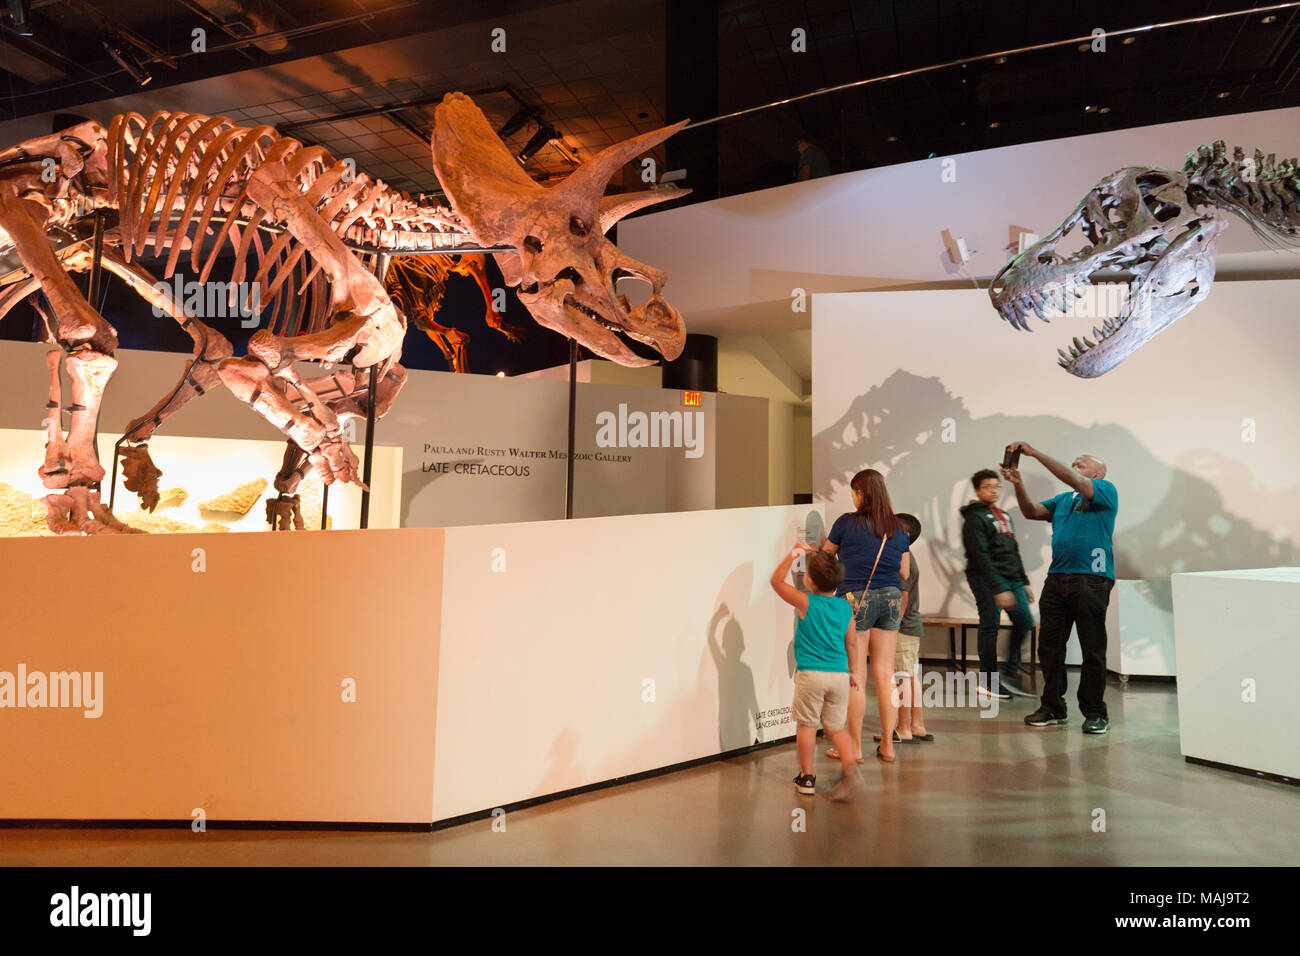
928 444
737 699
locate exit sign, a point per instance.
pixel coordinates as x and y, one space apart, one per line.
690 398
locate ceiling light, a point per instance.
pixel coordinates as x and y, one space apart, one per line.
1090 109
1084 47
1268 19
1000 60
1222 96
1104 109
994 125
891 139
1129 41
501 374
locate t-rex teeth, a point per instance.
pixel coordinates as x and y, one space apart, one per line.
1065 356
1096 334
1078 344
1088 342
1074 353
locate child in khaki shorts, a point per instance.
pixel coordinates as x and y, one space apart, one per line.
822 641
907 663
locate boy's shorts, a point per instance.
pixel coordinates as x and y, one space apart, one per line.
821 697
907 655
883 608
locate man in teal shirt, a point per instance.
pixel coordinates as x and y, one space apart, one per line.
1079 583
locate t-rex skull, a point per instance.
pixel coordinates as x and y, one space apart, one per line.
1144 227
564 266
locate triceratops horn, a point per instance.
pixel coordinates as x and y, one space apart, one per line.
596 173
614 208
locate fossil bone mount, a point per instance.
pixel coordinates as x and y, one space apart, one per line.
306 230
1152 234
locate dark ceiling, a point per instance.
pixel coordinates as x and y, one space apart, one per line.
586 73
620 79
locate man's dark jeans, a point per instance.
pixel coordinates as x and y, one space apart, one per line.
1079 600
1022 622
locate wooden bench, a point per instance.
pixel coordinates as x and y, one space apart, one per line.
964 623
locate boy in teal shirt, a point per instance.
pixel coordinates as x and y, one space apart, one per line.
822 641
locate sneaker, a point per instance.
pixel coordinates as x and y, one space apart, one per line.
806 783
1012 686
1043 717
986 694
1096 725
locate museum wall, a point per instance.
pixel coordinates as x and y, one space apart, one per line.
733 262
1197 427
656 640
288 677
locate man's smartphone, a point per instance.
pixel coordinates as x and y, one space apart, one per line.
1010 459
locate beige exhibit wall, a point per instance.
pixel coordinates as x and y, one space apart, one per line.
576 652
1197 427
223 689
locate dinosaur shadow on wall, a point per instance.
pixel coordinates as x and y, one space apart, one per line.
900 427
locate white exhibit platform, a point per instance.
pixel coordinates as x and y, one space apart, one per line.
386 677
1237 660
1140 626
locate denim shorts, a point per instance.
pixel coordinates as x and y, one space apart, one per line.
883 608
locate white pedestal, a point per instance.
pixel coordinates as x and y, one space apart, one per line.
1142 634
1238 654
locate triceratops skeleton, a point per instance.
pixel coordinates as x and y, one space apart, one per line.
177 181
1155 231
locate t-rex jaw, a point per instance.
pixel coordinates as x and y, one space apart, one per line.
1156 231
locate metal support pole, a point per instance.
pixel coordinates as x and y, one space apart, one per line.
370 446
324 505
96 264
96 270
573 399
381 267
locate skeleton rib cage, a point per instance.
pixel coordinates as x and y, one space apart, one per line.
180 181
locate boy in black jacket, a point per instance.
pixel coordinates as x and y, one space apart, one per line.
998 582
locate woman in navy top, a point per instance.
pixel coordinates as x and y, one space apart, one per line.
872 536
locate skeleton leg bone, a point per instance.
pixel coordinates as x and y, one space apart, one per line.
90 365
370 331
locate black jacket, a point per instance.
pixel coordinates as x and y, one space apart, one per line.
991 549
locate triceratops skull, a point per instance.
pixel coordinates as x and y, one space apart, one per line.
1141 230
564 266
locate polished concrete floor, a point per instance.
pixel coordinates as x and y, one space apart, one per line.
986 791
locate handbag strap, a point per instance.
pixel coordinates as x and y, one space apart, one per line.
862 597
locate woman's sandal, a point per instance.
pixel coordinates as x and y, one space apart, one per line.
883 757
928 738
834 754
